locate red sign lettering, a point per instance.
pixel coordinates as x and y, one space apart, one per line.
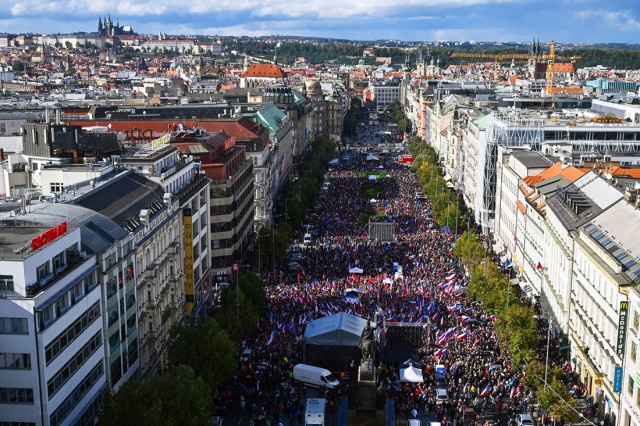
49 235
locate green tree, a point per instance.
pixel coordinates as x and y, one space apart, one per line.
135 403
233 302
557 401
176 398
251 287
186 399
207 349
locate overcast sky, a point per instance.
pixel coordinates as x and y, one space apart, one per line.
580 21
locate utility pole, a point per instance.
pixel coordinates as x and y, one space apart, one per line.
235 267
546 362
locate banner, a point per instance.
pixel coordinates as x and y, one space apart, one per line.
188 261
622 327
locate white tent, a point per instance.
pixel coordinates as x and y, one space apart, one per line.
411 374
372 177
341 329
381 166
355 270
373 200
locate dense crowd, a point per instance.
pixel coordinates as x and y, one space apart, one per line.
430 291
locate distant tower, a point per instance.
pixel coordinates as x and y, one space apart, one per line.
420 65
99 26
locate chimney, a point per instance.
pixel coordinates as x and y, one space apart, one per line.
144 217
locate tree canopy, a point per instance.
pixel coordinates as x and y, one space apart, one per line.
207 349
176 398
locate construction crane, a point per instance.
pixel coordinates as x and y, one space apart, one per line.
502 56
497 57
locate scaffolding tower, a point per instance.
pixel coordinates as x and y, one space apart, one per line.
513 128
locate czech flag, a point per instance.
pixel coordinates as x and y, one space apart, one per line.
439 353
460 337
486 391
273 335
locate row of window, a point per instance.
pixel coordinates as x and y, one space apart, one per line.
16 396
49 314
14 361
65 373
6 282
14 326
76 395
69 334
17 423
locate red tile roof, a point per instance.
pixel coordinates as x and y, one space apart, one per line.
264 71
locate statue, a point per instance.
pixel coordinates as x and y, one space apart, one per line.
367 342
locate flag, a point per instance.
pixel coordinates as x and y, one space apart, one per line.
464 318
539 266
486 391
439 353
273 335
513 392
460 337
491 318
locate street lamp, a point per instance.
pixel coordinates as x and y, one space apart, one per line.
546 362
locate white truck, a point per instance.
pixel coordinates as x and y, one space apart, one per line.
314 414
311 375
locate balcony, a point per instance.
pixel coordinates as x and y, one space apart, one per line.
73 260
149 338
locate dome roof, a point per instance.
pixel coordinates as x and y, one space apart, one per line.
313 86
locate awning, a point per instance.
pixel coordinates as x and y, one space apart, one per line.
447 178
521 207
503 259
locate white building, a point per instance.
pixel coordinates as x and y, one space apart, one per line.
56 355
385 93
605 266
629 379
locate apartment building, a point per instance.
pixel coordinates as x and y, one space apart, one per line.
606 266
154 220
69 323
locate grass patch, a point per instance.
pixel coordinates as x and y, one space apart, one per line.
367 215
372 190
378 175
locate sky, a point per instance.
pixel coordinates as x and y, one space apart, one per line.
565 21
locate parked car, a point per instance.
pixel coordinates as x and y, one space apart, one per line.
441 396
524 420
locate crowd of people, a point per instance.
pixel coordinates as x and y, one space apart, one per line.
430 290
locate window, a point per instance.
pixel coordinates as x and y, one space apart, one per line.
636 320
6 282
68 335
76 395
16 396
630 382
634 351
56 187
13 361
66 372
14 326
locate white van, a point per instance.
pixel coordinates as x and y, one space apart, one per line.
314 376
307 239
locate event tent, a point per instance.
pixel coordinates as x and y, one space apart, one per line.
411 374
332 342
341 329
